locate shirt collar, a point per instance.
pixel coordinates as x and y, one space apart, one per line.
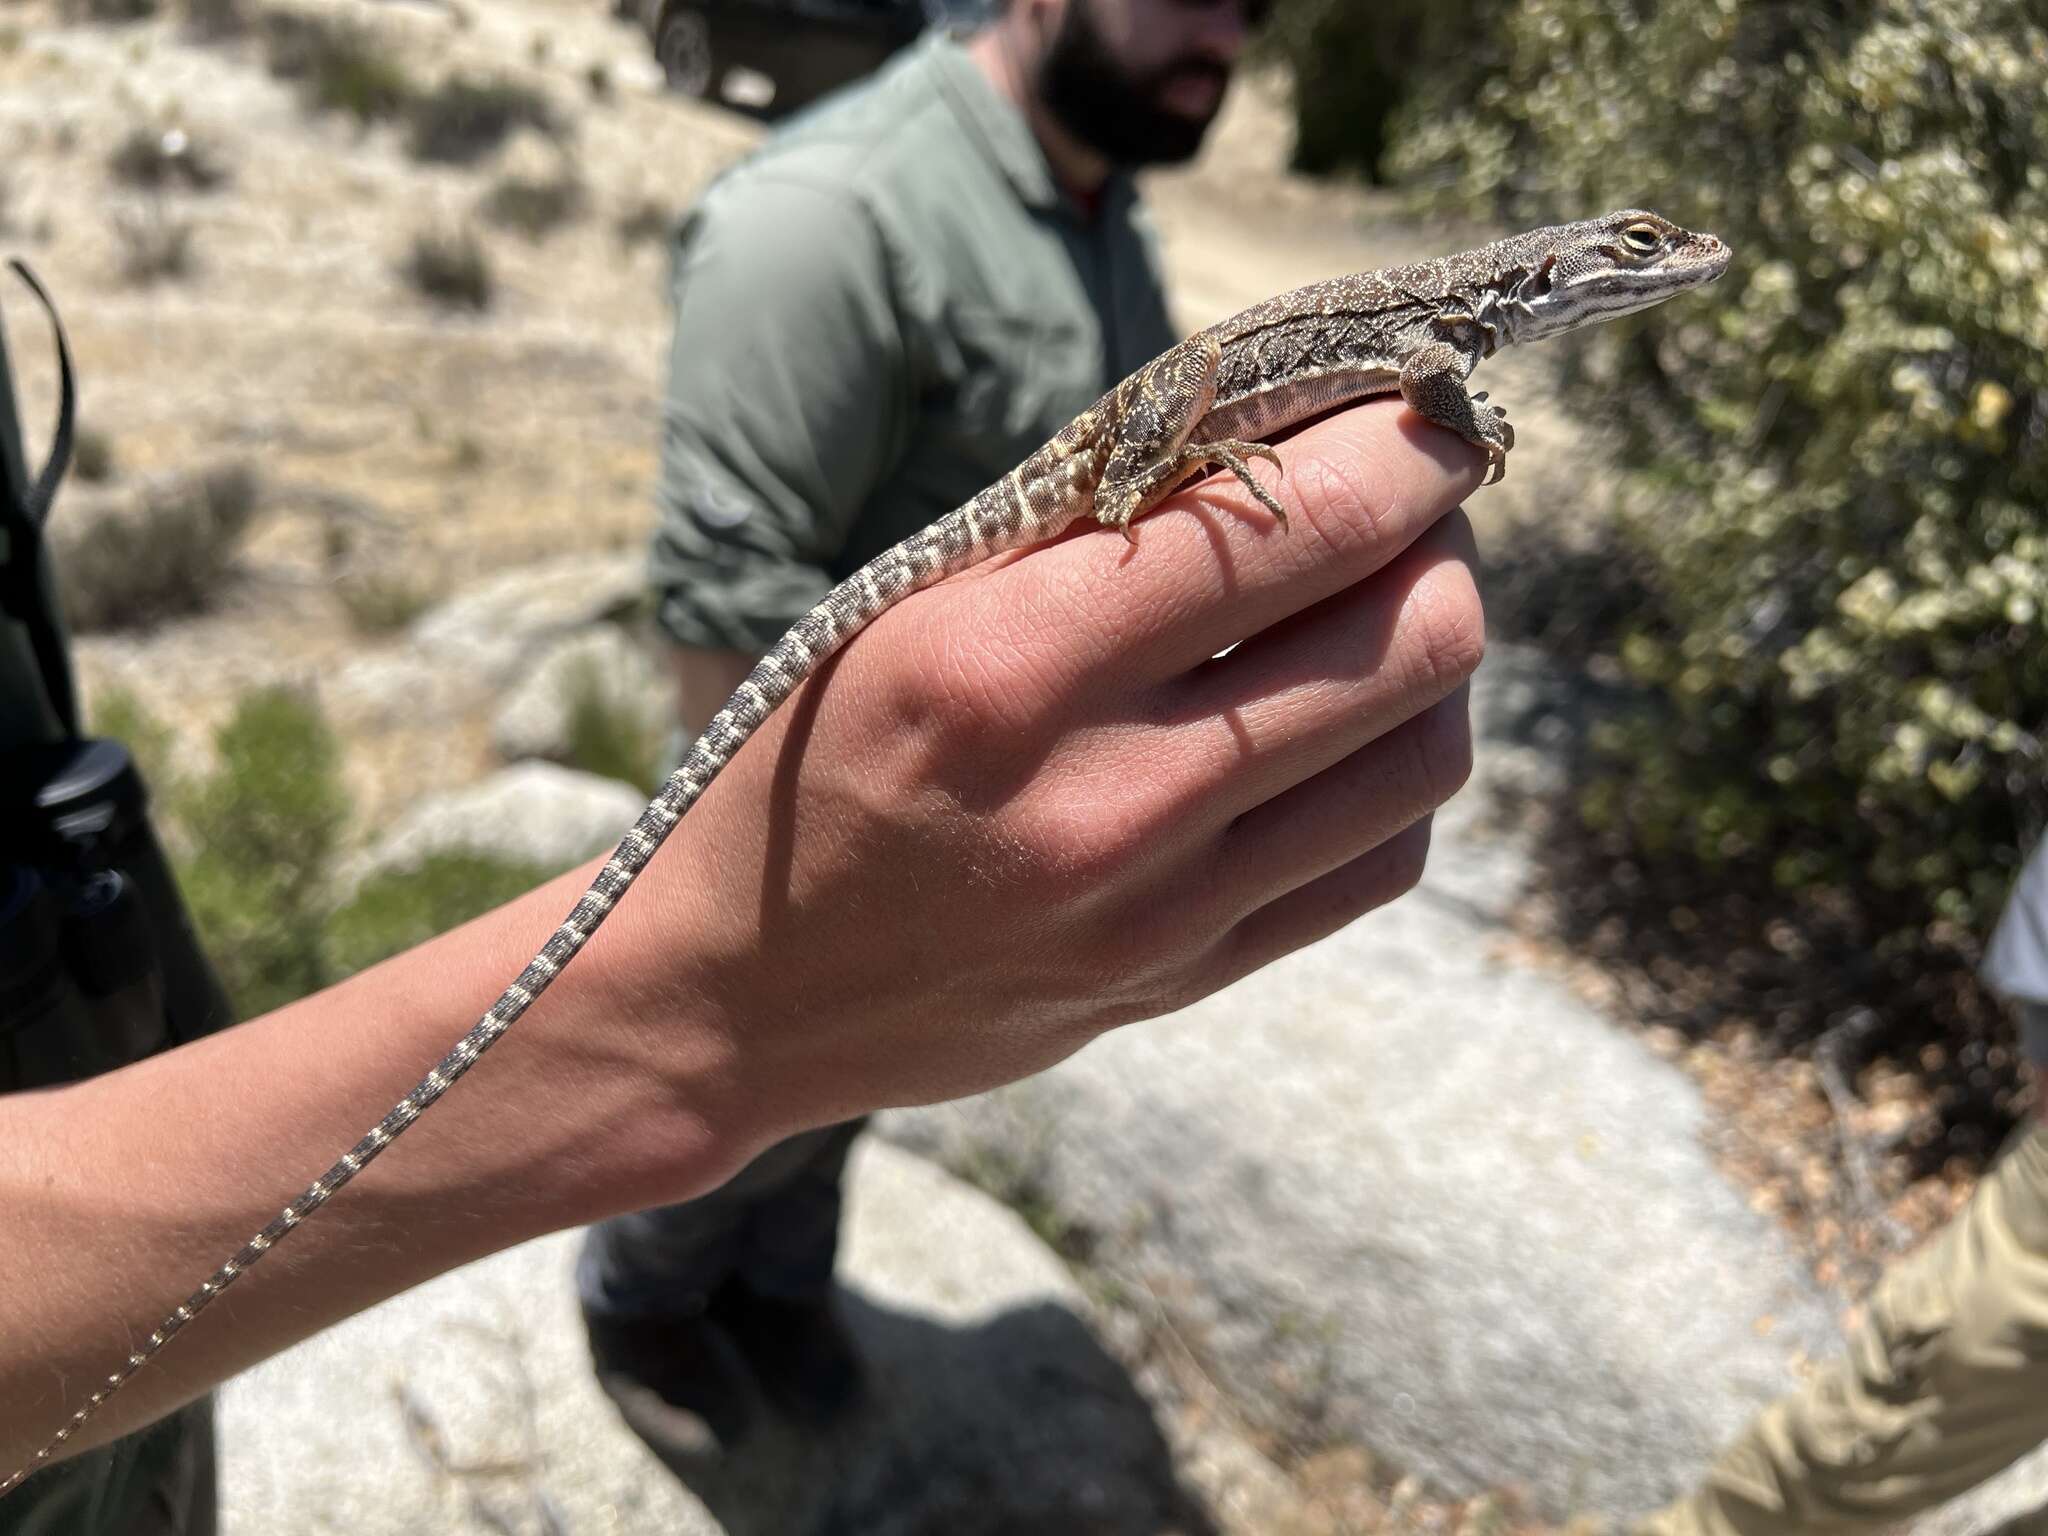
1005 138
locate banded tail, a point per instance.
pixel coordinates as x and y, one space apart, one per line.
999 519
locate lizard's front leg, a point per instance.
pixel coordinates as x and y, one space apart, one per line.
1433 384
1150 452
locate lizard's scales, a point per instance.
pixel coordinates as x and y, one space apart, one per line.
1208 401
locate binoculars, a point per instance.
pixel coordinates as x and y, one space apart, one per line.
99 963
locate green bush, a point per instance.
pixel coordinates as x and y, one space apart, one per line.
610 734
393 912
1839 453
262 830
253 843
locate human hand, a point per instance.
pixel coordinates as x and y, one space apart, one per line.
1029 805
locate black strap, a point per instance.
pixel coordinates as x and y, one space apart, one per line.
21 589
44 491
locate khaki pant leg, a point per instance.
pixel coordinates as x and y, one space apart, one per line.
1945 1383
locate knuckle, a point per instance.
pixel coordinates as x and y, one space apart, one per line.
1447 628
1342 514
1078 848
961 712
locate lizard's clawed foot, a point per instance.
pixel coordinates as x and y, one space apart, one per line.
1231 453
1121 504
1491 432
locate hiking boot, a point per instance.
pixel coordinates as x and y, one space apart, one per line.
678 1381
799 1352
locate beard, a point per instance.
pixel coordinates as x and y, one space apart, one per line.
1114 109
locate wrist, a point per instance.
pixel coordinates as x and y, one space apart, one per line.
610 1094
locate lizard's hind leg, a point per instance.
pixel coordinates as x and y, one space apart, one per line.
1150 454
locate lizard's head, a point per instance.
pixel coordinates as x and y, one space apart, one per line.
1578 274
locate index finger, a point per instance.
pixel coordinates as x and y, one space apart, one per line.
1211 567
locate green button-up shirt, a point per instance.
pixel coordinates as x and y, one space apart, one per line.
880 312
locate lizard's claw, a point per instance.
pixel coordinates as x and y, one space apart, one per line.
1495 436
1232 453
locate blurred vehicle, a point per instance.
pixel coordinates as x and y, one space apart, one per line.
798 49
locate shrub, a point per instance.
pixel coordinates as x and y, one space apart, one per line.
451 269
118 715
151 549
610 732
393 912
253 844
1840 454
155 159
92 456
340 66
107 10
209 20
154 243
645 220
464 119
262 829
534 207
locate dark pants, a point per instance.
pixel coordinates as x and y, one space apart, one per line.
773 1226
159 1481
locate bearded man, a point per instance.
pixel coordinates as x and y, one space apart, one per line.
903 292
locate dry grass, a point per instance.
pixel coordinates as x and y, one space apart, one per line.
136 554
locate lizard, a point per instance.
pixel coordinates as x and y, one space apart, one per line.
1210 401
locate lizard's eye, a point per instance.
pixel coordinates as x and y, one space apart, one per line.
1642 239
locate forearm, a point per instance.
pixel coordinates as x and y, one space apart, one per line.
118 1195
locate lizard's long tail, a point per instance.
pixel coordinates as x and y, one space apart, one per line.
997 519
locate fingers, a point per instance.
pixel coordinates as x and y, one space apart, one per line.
1347 810
1320 908
1314 689
1211 568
